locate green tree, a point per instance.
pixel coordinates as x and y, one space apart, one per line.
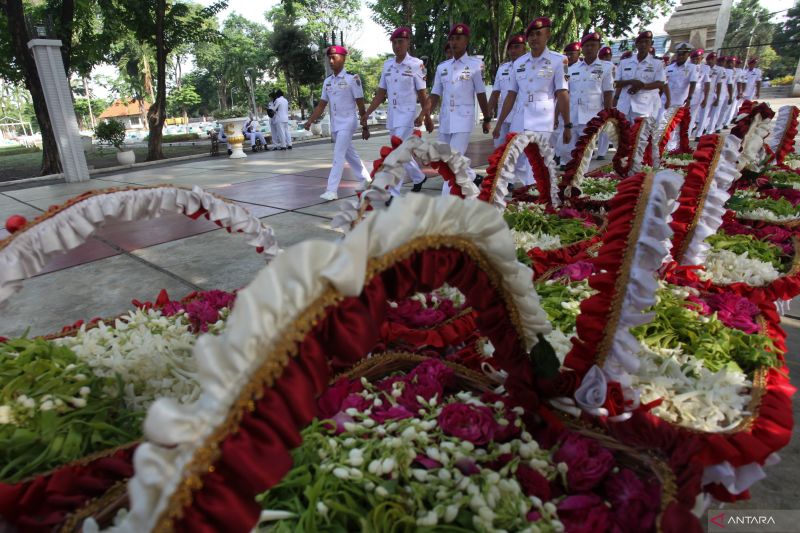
787 44
749 24
182 99
320 17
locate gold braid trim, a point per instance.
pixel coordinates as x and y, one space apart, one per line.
276 358
625 271
712 169
102 508
500 164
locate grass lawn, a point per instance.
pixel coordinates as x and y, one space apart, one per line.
28 165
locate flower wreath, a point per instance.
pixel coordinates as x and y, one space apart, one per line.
607 119
643 152
389 171
753 129
26 252
540 153
781 140
679 117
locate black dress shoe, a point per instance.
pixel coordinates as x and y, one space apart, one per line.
418 186
478 180
601 158
289 147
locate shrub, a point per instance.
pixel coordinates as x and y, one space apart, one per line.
784 80
111 132
181 137
17 150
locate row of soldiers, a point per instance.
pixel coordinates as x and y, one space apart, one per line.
537 90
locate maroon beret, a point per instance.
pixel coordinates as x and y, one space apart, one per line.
516 39
698 53
459 29
593 36
752 61
605 51
644 35
401 33
537 24
341 50
573 47
626 54
711 55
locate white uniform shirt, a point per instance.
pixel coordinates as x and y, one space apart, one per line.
679 77
456 83
703 73
536 80
402 81
739 77
341 92
587 83
502 82
281 109
726 79
751 77
648 70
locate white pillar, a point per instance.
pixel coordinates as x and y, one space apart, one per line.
795 92
57 95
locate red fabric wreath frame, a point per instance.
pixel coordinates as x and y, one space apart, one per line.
680 119
692 197
451 332
743 124
541 174
786 144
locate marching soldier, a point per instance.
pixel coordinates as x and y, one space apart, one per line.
573 53
541 88
701 90
516 48
642 77
752 80
738 86
403 83
682 76
603 142
707 110
728 86
604 54
591 85
344 93
458 81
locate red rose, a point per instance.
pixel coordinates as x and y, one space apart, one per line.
533 483
587 461
356 400
472 423
330 402
615 399
425 386
563 385
435 370
584 513
634 504
390 412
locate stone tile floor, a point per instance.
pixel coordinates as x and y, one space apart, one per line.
131 260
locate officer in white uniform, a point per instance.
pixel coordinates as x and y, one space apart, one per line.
682 77
273 127
573 54
282 120
701 89
642 76
727 88
502 80
541 88
622 100
250 131
591 86
707 108
752 80
344 93
603 141
457 83
738 90
403 83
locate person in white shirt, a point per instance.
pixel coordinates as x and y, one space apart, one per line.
343 92
251 132
402 82
282 120
752 80
682 77
502 80
457 83
728 87
541 88
697 106
622 100
273 126
563 150
642 77
706 119
591 86
603 142
738 90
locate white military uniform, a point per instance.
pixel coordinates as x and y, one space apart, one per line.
695 109
727 92
604 141
250 131
679 79
536 80
738 77
456 83
715 74
273 126
282 121
402 81
340 91
502 81
557 137
649 70
751 78
588 82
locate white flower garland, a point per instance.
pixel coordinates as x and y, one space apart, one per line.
782 122
762 213
528 241
753 143
725 267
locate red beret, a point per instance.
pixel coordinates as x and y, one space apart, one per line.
401 33
665 58
341 50
752 60
711 55
516 39
605 51
537 24
734 59
459 29
626 54
573 47
698 53
644 35
593 36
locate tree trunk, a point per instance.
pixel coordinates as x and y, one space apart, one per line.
65 32
19 41
407 12
157 112
88 100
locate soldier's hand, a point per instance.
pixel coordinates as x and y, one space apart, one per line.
716 103
429 124
567 137
730 101
667 103
703 103
485 127
418 121
496 131
307 125
364 121
365 133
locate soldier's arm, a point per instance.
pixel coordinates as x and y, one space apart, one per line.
380 97
493 99
508 105
758 88
692 86
422 98
316 114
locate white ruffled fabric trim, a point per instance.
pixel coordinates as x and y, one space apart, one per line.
782 123
640 143
30 251
710 219
516 149
736 480
393 172
753 143
666 120
276 297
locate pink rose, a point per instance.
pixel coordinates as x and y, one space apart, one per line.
473 423
584 513
427 462
533 483
587 461
357 401
433 369
577 271
423 386
634 504
701 305
330 402
394 412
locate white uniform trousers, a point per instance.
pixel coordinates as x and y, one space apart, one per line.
343 151
722 115
694 118
523 173
505 127
286 135
737 103
459 143
277 134
253 135
412 167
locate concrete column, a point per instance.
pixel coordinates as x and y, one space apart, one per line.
796 82
57 95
